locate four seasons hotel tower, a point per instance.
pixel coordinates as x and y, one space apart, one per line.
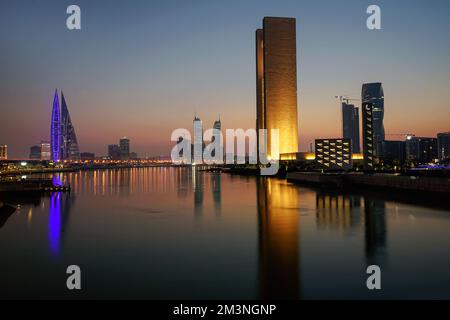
276 83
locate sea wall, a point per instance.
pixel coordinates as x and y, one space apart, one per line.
390 181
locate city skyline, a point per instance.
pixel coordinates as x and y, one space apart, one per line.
263 152
117 94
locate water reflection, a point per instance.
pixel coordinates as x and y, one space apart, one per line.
183 181
337 211
278 235
125 182
59 208
54 222
375 231
217 192
197 225
6 212
197 185
11 203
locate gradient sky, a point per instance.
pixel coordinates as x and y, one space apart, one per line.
142 68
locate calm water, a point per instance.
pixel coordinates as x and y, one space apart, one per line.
177 233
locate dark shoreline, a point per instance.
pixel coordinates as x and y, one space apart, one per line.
334 186
75 169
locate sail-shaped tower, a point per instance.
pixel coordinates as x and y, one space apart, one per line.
70 150
55 131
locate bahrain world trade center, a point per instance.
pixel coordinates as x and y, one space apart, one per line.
276 83
64 144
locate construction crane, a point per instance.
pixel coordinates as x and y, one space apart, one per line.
345 99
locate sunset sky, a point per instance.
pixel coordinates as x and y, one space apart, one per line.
143 68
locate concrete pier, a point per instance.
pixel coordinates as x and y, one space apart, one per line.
389 181
30 185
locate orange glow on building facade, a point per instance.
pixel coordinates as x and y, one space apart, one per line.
276 82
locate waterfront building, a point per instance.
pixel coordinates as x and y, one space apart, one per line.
334 154
368 136
114 152
276 83
198 141
35 152
373 93
133 156
64 144
3 152
393 151
216 136
350 125
87 156
124 146
443 141
45 150
55 131
69 142
421 150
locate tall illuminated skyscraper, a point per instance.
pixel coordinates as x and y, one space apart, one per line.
55 131
69 147
198 140
216 136
373 93
276 82
368 135
64 144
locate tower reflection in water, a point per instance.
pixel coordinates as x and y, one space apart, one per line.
200 181
197 185
58 216
217 192
336 210
278 233
375 231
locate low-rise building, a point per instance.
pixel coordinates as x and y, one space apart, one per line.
334 154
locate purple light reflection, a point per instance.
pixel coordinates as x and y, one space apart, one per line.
54 222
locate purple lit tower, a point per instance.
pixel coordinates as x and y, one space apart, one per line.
56 129
69 143
64 144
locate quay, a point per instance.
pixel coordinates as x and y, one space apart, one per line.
14 184
437 185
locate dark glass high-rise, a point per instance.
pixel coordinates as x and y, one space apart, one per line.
372 93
